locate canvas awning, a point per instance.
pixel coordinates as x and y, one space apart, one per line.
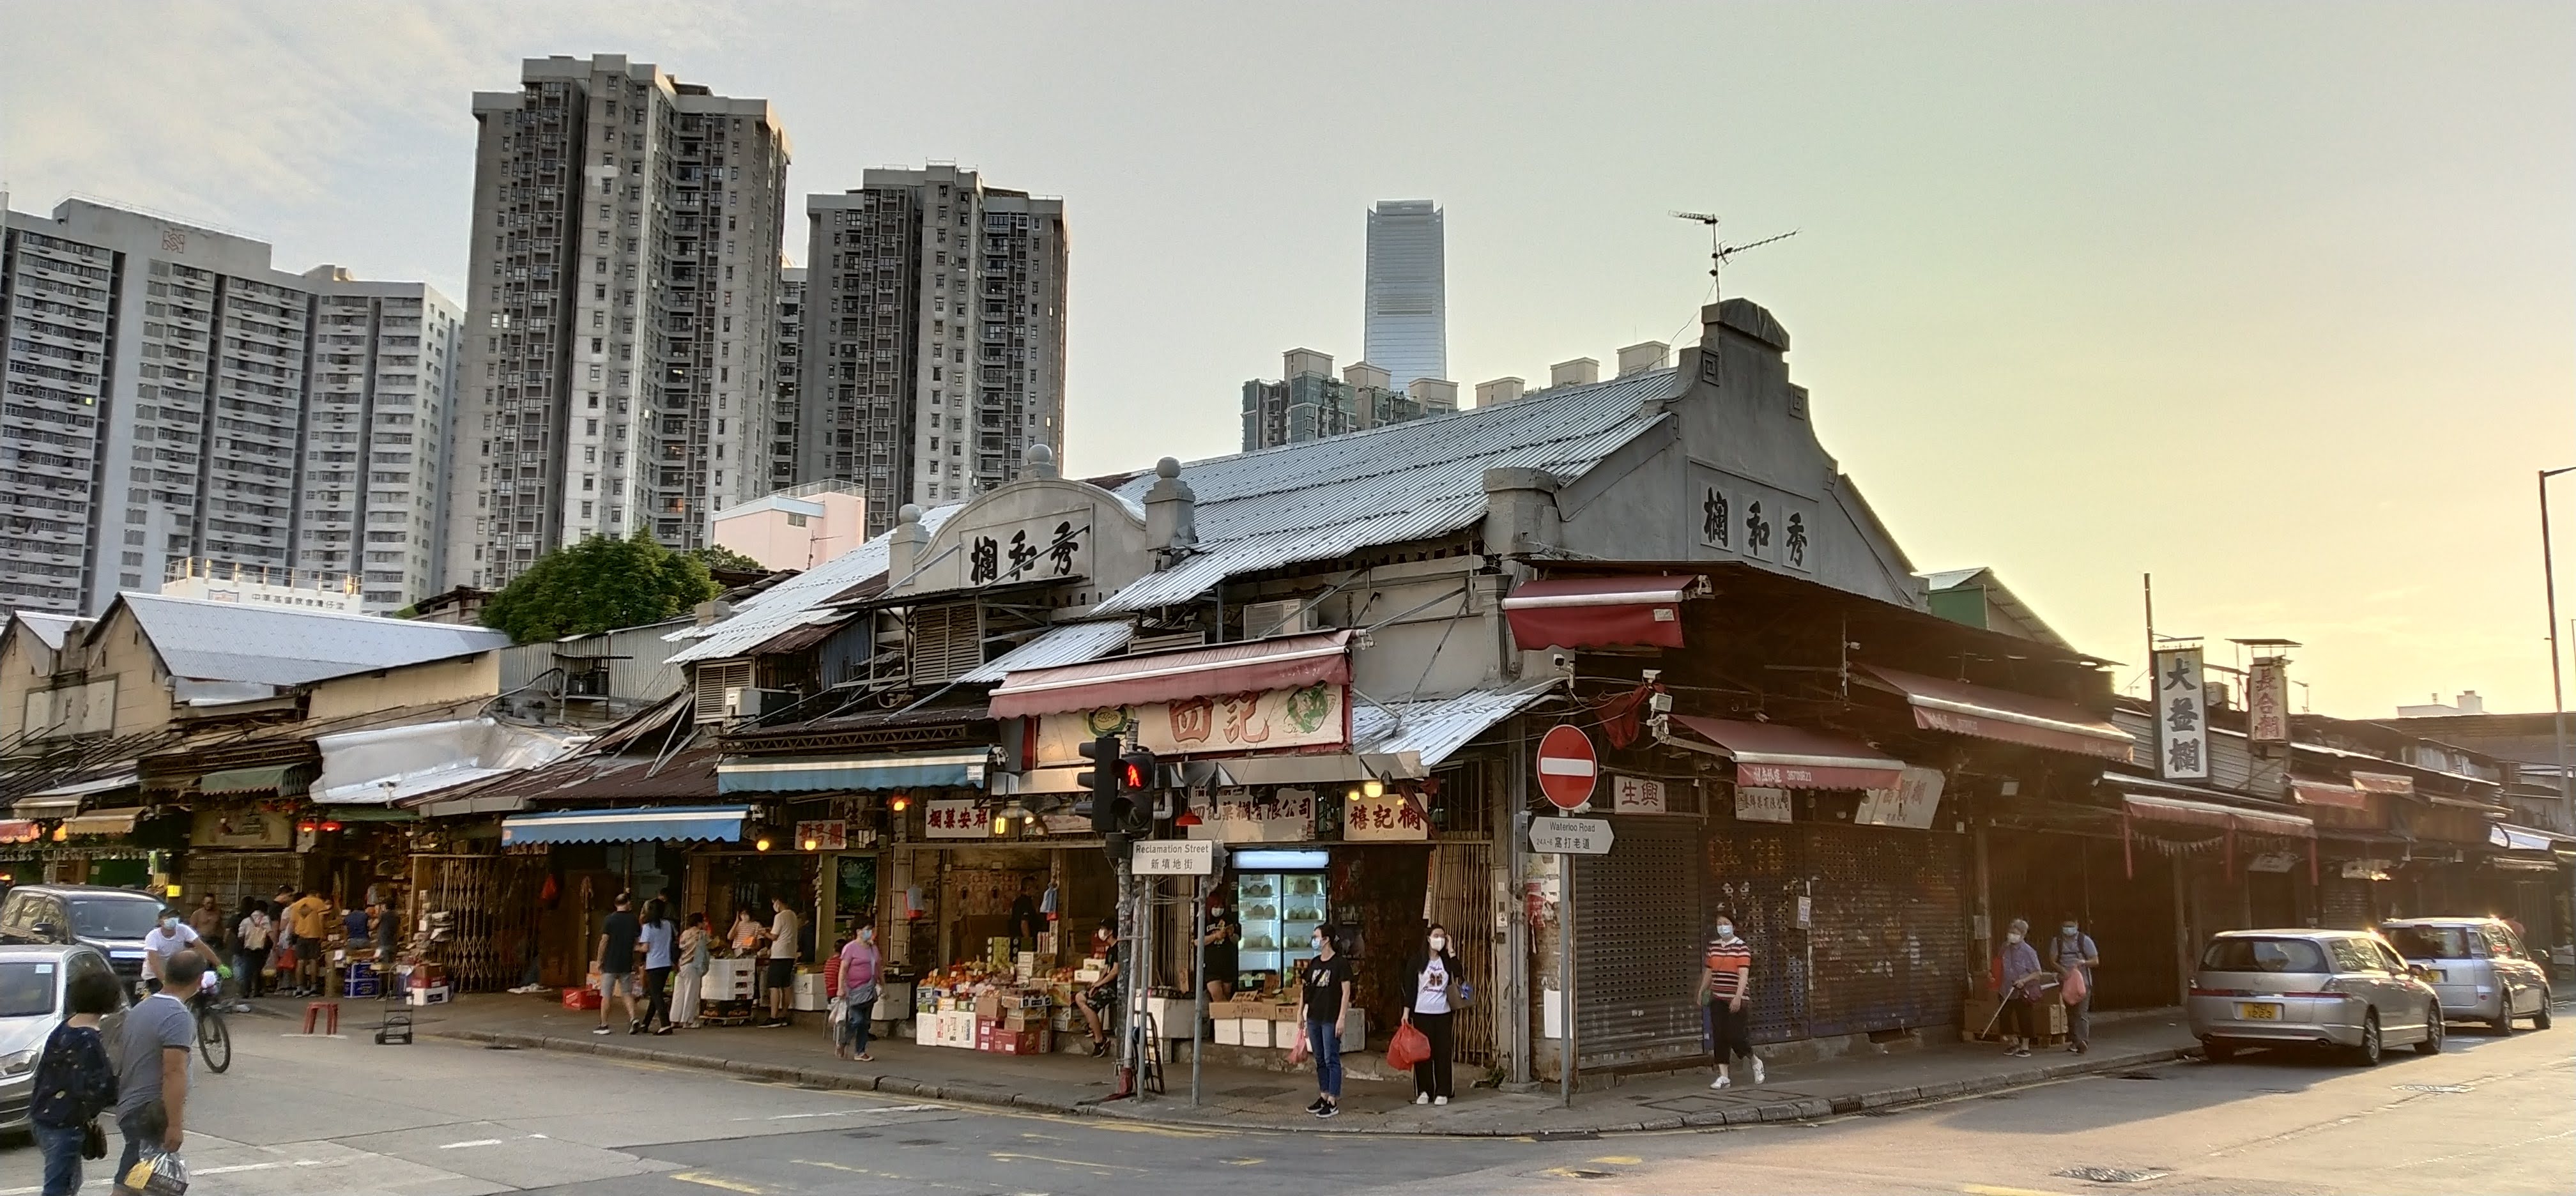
833 774
285 780
1599 612
63 801
2523 838
2182 812
20 830
2327 793
105 822
1772 756
647 824
1250 666
1963 708
2465 803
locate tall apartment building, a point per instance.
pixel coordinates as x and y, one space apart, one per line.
1308 403
171 396
1406 308
934 336
621 306
790 359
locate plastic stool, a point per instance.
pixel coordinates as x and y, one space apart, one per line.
322 1010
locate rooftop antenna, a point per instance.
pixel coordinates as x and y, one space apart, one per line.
1719 253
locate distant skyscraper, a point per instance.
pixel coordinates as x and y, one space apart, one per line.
1407 305
1308 403
621 312
934 324
791 367
172 397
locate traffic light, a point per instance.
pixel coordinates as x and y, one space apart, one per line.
1101 781
1137 777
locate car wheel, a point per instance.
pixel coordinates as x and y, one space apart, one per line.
2540 1020
2503 1022
2218 1052
2433 1032
2367 1054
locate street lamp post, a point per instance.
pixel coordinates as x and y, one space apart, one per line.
2557 690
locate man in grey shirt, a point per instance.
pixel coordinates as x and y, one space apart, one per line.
152 1052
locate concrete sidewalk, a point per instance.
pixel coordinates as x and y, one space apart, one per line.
1238 1098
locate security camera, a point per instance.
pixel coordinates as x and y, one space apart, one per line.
1560 660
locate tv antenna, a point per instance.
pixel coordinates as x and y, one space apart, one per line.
1719 253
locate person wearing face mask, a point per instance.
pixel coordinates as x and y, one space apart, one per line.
1219 961
2075 955
858 992
166 941
1429 1006
1322 993
1725 986
2023 978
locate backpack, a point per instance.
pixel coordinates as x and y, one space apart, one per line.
75 1083
254 932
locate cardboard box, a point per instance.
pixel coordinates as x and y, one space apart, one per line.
989 1006
1025 1042
1257 1032
435 995
1229 1031
581 998
1172 1015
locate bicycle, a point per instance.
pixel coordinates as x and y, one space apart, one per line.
214 1037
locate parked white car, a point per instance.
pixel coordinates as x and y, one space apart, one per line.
2342 989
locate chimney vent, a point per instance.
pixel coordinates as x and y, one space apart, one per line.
1582 371
1500 391
1643 356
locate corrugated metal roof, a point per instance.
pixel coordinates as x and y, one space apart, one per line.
1436 728
51 629
796 601
1071 643
227 641
1328 498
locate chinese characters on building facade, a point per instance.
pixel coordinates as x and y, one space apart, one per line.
1267 721
2181 710
1753 523
2267 701
1046 548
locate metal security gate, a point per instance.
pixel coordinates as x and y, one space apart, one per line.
490 906
234 875
1462 901
1638 943
1885 946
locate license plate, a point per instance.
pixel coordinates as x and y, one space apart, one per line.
2437 975
2259 1013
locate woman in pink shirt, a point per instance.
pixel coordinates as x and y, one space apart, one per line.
858 993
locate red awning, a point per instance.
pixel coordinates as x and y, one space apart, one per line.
1279 662
1771 756
2215 817
1987 713
2326 793
1599 612
2383 782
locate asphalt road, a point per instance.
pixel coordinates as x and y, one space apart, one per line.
343 1116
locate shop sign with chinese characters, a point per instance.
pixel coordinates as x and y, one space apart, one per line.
1636 795
1754 803
956 818
1387 818
2182 716
1266 721
1248 816
1912 803
1738 517
823 834
2267 701
1047 548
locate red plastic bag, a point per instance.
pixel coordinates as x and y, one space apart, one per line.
2073 989
1298 1050
1410 1046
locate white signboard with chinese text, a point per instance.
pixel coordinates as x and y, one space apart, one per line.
1571 836
1247 816
1636 795
1268 721
2267 701
956 818
1172 857
1753 803
1386 818
2181 709
1047 548
1912 803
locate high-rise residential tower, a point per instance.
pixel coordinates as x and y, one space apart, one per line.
1407 305
934 336
789 358
621 310
172 398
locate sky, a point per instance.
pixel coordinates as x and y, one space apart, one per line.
2275 302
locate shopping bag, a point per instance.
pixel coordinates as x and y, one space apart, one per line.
156 1174
1410 1046
1298 1050
2073 990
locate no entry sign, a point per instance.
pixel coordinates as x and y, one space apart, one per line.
1567 767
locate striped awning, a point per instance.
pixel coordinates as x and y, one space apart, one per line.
841 774
647 824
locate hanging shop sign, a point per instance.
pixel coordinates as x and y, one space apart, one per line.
1270 720
1754 803
1387 818
2273 861
1912 803
2182 716
824 834
1249 816
2366 869
259 829
2267 701
956 818
1636 795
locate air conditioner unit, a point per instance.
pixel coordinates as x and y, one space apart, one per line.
1284 617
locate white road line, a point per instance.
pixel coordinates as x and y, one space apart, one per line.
475 1142
848 1112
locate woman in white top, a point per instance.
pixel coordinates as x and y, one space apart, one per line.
1431 1001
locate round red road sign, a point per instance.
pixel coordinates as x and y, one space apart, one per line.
1567 766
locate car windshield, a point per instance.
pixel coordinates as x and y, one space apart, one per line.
2264 955
114 917
2429 942
26 987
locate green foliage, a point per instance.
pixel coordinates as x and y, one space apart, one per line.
717 556
599 584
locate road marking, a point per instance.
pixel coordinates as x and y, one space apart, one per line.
848 1112
1243 1162
701 1178
1619 1159
475 1142
1008 1157
1989 1190
1165 1131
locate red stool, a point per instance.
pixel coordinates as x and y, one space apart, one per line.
328 1011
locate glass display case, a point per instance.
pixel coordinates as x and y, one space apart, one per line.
1280 912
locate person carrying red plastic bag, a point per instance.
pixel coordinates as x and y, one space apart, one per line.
2075 956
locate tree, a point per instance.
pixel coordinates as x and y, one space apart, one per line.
598 584
718 557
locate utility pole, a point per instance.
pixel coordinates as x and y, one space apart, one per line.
2557 685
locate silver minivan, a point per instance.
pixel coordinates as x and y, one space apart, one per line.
2343 989
2479 967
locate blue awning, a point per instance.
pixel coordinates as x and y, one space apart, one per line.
642 824
835 774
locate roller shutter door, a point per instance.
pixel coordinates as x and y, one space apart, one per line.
1886 946
1638 938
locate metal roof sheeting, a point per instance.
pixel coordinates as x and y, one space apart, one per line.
797 601
226 641
1071 643
1434 729
51 630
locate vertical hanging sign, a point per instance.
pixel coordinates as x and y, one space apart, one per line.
2267 701
2182 716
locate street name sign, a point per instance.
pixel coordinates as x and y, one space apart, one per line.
1571 836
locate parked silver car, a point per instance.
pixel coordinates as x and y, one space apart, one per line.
2342 989
34 983
2479 967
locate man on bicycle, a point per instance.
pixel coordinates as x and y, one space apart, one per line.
170 939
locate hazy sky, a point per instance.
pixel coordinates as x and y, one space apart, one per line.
2277 301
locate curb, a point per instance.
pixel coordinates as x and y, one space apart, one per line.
1809 1109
